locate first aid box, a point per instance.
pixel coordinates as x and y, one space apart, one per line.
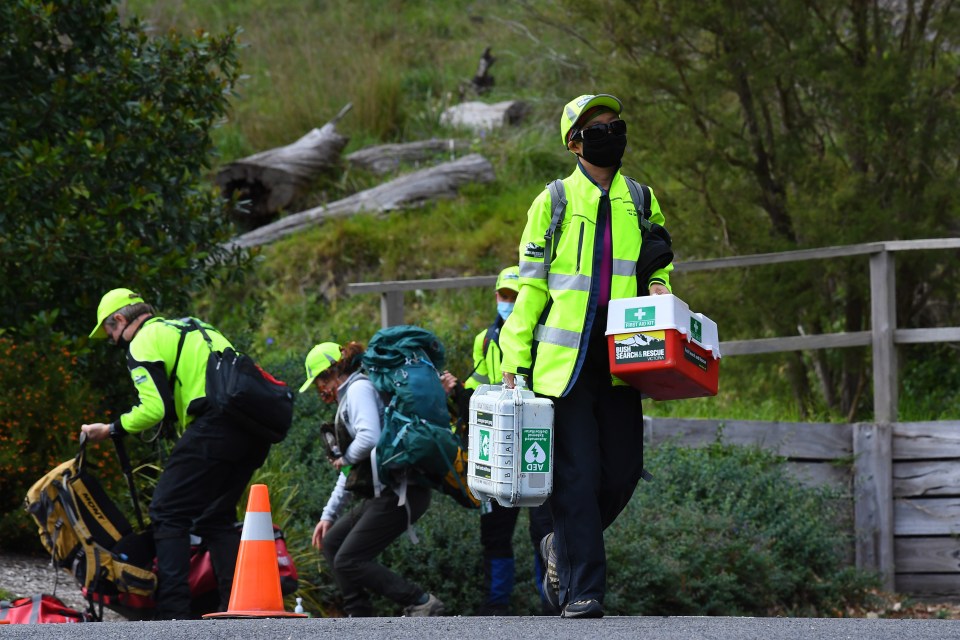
657 345
510 446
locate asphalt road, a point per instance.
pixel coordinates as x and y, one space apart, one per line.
519 628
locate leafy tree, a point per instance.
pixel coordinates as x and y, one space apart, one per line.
793 124
104 142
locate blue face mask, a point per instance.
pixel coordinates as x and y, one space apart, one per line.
504 309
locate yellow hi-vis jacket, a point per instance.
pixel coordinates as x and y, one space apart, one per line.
545 338
486 357
150 360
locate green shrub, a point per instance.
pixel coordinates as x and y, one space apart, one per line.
724 530
720 531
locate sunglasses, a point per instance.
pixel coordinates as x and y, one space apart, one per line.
599 131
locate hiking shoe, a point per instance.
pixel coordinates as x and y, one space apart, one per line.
551 579
583 609
432 607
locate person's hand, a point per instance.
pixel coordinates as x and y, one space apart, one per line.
320 531
96 431
449 382
657 289
339 463
508 380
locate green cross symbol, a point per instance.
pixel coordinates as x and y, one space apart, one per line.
640 314
696 329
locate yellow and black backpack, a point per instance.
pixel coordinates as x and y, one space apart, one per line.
86 534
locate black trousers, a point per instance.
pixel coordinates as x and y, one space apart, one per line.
598 461
198 492
359 536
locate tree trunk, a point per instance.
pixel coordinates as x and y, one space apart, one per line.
273 179
441 181
480 116
388 157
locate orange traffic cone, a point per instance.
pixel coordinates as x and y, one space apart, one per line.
256 581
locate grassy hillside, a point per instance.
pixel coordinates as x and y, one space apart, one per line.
400 63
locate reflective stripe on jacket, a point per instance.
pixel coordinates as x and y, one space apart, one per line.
150 359
545 337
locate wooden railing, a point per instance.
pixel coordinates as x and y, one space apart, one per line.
905 526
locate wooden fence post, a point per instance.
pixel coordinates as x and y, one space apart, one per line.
391 308
883 324
873 499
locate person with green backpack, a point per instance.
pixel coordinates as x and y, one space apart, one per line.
351 541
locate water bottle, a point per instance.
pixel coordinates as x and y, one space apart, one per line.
299 607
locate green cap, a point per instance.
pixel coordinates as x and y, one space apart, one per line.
509 278
319 360
110 303
579 106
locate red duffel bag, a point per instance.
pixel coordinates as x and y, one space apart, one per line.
39 609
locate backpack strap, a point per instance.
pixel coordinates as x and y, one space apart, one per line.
558 204
127 469
492 331
163 430
176 362
640 194
492 335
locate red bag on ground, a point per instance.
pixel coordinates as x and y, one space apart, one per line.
39 609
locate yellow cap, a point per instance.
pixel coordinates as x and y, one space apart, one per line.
111 302
509 278
580 105
319 360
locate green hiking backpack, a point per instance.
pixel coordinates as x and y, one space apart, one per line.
416 442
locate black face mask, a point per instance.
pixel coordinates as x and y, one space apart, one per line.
606 152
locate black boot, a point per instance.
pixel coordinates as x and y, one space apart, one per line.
223 555
498 576
173 569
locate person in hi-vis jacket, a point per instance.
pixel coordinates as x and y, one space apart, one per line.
210 464
555 338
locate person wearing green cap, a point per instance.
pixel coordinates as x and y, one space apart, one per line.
210 464
573 260
352 541
498 523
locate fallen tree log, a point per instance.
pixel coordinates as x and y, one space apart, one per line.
414 189
480 116
273 179
388 157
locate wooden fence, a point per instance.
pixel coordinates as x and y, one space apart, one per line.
903 478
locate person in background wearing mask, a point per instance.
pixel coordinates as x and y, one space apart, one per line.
556 339
497 523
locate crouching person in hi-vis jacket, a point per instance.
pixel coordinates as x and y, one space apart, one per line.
555 337
212 460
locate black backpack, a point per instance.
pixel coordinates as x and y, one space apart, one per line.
240 390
